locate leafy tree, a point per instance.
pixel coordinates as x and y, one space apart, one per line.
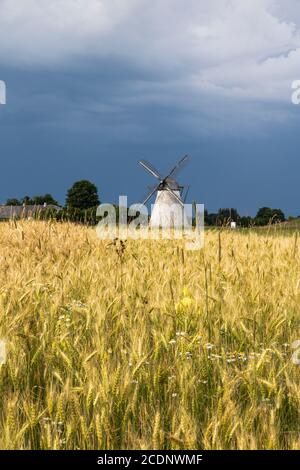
44 199
82 195
36 200
266 215
263 216
26 200
227 215
210 219
13 202
278 215
246 221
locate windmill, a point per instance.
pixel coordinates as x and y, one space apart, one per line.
168 209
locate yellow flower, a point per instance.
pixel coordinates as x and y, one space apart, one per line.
184 304
187 302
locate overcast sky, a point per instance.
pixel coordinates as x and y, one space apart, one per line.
95 85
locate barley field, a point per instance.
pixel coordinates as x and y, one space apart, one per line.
145 345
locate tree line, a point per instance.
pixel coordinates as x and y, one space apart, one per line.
82 199
264 216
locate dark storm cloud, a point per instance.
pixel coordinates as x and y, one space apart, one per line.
88 102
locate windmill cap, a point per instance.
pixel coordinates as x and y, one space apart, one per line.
172 184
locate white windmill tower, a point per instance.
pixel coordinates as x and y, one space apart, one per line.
168 210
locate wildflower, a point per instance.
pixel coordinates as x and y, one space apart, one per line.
209 346
186 303
242 357
174 395
231 356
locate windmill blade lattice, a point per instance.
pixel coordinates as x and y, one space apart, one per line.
174 195
150 195
178 166
150 169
